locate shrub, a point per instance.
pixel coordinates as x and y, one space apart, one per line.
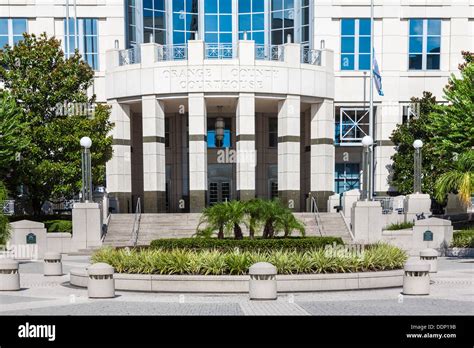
214 262
399 226
58 225
296 243
463 239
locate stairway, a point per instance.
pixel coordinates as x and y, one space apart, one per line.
119 231
333 225
158 226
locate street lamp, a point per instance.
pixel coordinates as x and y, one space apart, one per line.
417 144
86 143
367 142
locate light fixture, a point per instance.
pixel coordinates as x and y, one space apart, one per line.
367 141
219 126
86 142
418 144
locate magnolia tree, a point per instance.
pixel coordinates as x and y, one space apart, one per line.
53 111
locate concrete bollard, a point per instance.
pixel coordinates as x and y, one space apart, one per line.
52 264
416 280
101 281
9 275
430 256
263 285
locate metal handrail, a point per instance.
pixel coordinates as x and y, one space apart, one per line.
311 56
129 56
219 51
315 210
136 223
270 52
172 52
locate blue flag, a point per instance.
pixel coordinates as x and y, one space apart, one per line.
377 77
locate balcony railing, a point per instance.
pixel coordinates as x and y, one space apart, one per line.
309 56
130 56
8 207
219 51
269 52
172 52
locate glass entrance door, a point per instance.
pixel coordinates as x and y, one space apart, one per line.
219 191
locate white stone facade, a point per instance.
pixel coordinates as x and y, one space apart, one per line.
172 167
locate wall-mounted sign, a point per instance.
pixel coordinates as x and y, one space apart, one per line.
428 236
31 238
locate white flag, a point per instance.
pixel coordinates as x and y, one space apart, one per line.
377 77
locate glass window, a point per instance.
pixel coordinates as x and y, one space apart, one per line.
212 142
424 44
355 44
87 38
252 20
273 132
11 30
218 22
185 19
131 23
154 21
347 177
282 17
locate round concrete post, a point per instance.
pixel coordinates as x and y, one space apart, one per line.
9 275
263 285
430 256
52 264
416 280
101 281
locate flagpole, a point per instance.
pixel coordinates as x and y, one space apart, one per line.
371 104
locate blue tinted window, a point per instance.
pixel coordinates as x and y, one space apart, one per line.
416 44
424 44
185 20
416 27
258 22
277 5
178 37
3 41
258 6
364 26
3 26
88 40
210 6
159 5
211 22
364 61
347 62
434 27
178 5
364 44
245 6
259 37
19 26
225 6
245 23
348 27
347 45
225 23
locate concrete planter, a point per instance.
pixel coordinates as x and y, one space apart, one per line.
240 283
52 264
9 275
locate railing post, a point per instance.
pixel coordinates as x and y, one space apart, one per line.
292 54
112 59
195 52
149 53
246 52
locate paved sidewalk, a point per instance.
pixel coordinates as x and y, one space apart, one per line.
452 293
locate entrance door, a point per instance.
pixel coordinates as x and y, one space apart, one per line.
219 191
220 183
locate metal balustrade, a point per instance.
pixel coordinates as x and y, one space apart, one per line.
8 207
310 56
172 52
219 51
270 52
130 56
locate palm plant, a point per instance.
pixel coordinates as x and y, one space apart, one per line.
271 210
235 214
254 210
287 223
460 179
215 218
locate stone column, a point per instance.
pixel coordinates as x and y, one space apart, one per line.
246 154
387 116
197 152
322 152
119 172
154 166
289 138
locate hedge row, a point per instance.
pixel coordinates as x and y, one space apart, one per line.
300 244
463 239
58 226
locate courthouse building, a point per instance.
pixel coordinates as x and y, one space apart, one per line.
215 100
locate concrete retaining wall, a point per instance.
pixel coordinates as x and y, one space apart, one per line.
239 284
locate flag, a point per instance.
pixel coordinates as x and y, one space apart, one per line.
377 77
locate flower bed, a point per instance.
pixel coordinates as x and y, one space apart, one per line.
379 257
463 239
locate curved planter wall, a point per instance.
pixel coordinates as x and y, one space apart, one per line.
239 284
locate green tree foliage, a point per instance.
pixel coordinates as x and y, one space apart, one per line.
403 137
452 124
12 139
459 180
39 78
446 130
